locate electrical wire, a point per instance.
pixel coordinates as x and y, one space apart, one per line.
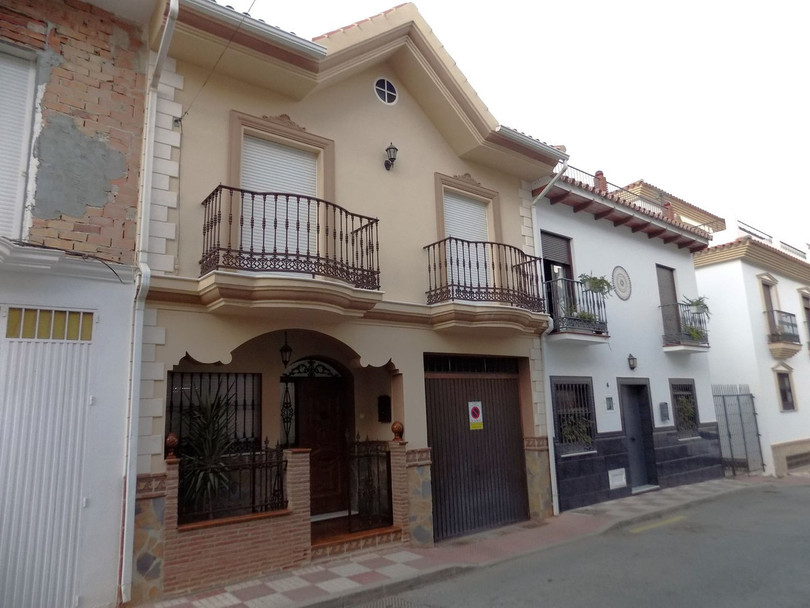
245 15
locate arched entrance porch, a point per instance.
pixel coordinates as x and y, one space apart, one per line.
301 389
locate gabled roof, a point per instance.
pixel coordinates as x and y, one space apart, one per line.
759 254
399 37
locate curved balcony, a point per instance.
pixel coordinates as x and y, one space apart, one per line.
481 271
287 233
579 314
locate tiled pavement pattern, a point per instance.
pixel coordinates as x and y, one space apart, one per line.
373 576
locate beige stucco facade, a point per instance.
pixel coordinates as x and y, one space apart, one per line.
343 122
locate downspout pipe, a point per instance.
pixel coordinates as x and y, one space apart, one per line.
144 278
555 496
553 181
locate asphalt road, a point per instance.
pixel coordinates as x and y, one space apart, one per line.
748 549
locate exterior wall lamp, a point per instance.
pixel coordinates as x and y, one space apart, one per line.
286 352
632 361
391 153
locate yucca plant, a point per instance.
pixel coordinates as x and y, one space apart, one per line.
207 439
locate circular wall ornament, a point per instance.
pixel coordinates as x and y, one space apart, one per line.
621 283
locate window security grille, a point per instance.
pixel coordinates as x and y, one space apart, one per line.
186 390
574 417
685 406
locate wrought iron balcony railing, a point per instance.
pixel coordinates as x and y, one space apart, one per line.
480 271
684 325
276 232
782 327
575 308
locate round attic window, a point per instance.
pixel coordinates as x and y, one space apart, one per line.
386 91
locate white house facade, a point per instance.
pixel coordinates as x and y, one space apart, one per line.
760 296
627 374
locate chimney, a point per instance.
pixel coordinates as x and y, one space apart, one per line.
600 182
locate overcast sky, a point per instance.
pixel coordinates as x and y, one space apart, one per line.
708 100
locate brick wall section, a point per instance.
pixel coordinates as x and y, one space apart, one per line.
400 501
216 554
99 82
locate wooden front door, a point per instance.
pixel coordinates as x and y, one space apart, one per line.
324 426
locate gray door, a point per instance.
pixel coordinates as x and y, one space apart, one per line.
478 475
669 301
635 402
738 429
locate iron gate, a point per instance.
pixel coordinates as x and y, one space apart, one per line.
478 474
737 425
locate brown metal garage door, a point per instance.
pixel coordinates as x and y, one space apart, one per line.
478 476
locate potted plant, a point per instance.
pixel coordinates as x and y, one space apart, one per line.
584 315
695 333
596 284
207 440
698 305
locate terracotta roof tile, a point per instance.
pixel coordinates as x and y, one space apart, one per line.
358 23
618 199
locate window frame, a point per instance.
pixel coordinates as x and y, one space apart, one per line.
20 210
283 131
779 370
467 187
555 383
676 413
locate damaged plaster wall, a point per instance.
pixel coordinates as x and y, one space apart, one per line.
74 170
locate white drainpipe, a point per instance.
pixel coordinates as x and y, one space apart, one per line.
139 307
553 181
555 497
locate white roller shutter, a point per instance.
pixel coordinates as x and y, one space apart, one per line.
467 218
16 101
268 166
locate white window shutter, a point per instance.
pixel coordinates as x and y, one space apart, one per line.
16 101
269 166
465 218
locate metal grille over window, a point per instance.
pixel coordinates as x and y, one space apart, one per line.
686 414
574 419
242 392
38 324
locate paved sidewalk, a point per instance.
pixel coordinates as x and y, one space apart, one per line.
371 576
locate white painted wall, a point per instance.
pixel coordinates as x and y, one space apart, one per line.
740 353
88 477
634 325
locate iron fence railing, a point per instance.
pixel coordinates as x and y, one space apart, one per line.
370 485
576 308
277 232
684 324
574 175
481 271
233 484
782 327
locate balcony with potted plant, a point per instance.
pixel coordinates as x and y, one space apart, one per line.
578 309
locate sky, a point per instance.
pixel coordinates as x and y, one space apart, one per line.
709 100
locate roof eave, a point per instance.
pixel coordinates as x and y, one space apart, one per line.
256 28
